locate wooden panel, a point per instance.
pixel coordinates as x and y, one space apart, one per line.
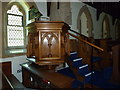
49 26
6 68
73 45
49 42
116 64
46 25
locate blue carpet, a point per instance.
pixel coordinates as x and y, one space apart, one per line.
77 84
101 79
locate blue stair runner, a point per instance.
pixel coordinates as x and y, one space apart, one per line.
97 78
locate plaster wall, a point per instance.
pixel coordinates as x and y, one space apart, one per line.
15 65
42 6
76 6
97 24
112 29
0 29
17 60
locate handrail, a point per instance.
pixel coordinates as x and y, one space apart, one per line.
101 49
77 33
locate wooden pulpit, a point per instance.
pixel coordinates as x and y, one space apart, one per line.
47 42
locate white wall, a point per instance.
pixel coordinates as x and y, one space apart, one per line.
97 24
84 28
96 30
16 61
0 29
112 29
75 8
42 6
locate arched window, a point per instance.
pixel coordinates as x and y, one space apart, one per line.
85 23
15 35
84 27
15 30
105 28
117 30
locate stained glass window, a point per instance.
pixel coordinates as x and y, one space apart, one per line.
15 34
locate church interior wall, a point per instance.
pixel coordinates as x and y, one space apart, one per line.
0 29
75 8
15 65
42 6
17 60
97 24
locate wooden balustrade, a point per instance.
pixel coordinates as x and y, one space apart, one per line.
85 48
93 47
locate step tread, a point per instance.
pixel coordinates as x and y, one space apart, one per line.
73 53
87 73
77 59
83 66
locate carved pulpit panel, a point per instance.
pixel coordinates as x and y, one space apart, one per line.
50 45
47 42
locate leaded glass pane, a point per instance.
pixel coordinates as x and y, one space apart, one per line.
15 36
14 10
14 20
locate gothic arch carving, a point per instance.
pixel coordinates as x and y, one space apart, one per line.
89 20
107 27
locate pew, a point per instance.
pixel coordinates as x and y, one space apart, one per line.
11 82
35 76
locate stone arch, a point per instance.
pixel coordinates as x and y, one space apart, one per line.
117 30
85 10
105 27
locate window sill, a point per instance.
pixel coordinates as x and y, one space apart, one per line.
7 56
14 52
